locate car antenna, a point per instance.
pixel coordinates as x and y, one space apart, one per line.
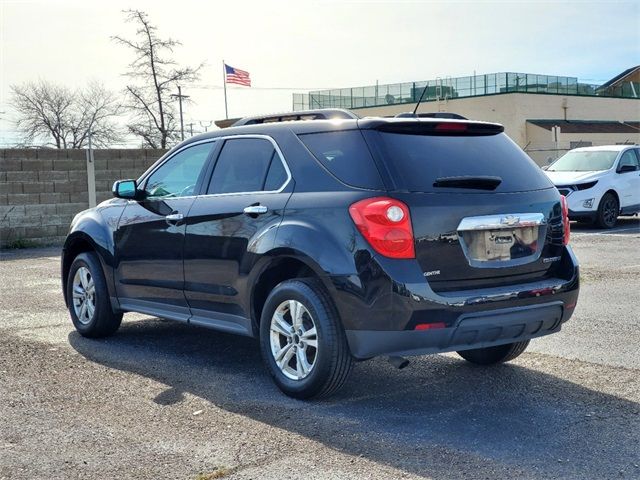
420 101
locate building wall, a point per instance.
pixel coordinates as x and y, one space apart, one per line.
42 190
543 150
514 109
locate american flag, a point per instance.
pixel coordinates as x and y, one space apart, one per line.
235 75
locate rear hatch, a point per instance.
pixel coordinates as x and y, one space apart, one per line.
483 213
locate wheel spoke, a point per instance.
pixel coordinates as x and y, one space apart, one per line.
284 356
302 364
311 333
91 286
280 325
90 309
78 292
84 277
83 310
311 343
310 337
295 312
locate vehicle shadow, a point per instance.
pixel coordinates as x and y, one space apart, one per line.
439 417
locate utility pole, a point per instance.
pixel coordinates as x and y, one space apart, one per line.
190 125
179 96
91 173
206 127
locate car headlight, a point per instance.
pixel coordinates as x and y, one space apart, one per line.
588 203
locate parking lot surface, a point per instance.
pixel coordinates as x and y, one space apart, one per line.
165 400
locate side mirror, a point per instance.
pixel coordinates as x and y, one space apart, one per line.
125 189
627 168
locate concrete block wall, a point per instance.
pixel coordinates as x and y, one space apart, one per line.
42 189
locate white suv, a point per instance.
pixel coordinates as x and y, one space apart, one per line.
600 183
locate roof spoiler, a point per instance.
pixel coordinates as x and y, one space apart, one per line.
449 115
444 127
320 114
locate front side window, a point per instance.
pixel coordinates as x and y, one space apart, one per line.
178 176
247 165
629 158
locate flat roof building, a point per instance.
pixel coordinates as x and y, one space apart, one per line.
545 114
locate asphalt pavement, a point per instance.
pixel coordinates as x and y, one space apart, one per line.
165 400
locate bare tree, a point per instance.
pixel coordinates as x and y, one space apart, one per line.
61 117
154 76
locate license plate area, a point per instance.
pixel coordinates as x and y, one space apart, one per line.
502 241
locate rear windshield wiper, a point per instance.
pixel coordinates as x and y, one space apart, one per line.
472 182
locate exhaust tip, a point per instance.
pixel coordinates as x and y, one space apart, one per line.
398 362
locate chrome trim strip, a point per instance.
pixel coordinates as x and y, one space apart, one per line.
499 222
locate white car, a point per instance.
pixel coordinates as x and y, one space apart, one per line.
600 183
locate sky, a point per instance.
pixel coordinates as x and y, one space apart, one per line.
307 45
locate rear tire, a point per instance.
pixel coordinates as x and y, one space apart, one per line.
88 298
493 355
608 211
307 357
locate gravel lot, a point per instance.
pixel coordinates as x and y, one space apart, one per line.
164 400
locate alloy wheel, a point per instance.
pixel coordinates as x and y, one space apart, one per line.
84 295
610 211
294 339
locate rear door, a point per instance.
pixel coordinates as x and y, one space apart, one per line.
483 213
150 235
230 226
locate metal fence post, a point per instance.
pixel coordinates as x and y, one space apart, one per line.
91 175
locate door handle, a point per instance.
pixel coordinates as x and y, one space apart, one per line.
255 209
174 217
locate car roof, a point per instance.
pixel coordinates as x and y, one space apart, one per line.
605 148
317 126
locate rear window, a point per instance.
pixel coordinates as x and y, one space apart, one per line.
417 161
346 156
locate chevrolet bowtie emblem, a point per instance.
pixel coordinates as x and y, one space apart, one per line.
509 220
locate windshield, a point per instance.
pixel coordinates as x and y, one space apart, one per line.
584 161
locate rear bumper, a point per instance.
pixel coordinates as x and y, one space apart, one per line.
384 314
479 330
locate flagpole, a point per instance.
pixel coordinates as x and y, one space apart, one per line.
224 82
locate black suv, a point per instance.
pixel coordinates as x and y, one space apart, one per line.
332 241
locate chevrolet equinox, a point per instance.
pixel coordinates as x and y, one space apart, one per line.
333 240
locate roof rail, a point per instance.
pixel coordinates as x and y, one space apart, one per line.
448 115
320 114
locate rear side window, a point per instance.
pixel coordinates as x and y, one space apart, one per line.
247 165
417 161
346 156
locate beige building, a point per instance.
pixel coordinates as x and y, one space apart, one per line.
545 115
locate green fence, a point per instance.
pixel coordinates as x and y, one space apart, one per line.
460 87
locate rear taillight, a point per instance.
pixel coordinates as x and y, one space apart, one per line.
566 229
385 223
